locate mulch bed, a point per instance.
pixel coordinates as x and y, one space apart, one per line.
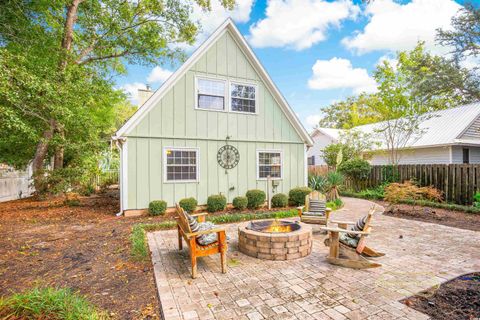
457 219
86 248
457 299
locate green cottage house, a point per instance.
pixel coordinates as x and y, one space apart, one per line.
217 125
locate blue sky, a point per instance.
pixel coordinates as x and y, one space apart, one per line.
318 51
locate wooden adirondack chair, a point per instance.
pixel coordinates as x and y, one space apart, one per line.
308 216
346 256
197 250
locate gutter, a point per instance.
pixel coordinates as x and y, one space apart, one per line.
119 143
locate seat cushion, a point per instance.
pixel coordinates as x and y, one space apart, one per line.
358 226
194 225
347 240
209 238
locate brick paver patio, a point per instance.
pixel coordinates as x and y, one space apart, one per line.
419 255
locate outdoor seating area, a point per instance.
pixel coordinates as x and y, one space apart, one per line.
311 287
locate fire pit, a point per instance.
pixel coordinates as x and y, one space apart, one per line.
275 239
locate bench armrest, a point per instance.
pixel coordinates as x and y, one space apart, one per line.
342 222
344 230
199 214
198 233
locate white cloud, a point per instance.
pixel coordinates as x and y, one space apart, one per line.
391 60
132 90
339 73
394 26
158 75
299 24
312 121
210 20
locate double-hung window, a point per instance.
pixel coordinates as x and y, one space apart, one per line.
211 94
269 163
181 164
243 97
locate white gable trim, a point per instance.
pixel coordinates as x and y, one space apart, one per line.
240 40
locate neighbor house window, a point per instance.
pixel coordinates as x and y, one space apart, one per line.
243 97
466 155
181 164
269 163
210 94
311 161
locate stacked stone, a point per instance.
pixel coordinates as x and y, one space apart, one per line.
276 246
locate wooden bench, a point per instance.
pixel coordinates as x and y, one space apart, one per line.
197 250
346 256
318 218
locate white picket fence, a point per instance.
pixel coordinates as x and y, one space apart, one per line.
14 184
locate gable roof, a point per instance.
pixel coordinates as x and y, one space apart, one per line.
444 127
332 133
229 25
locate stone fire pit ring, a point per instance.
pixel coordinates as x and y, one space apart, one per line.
275 246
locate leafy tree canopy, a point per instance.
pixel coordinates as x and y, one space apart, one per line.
57 59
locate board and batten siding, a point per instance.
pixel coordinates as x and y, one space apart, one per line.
174 122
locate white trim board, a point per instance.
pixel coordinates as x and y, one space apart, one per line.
229 25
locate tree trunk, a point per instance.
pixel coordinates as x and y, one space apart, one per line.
41 152
67 40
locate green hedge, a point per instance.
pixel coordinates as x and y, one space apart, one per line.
216 202
157 207
256 198
188 204
240 203
297 195
279 200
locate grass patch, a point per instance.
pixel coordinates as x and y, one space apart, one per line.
335 205
49 303
138 236
423 203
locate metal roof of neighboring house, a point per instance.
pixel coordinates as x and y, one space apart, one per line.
444 127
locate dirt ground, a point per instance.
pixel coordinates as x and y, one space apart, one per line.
455 299
85 248
457 219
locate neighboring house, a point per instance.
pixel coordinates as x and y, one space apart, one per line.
15 184
450 136
217 125
322 137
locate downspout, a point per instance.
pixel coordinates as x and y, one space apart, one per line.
119 143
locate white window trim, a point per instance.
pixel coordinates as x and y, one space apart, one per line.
226 95
164 154
258 163
250 84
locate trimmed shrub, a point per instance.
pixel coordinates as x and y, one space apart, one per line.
216 202
297 195
256 198
279 200
396 192
356 169
188 204
240 203
157 207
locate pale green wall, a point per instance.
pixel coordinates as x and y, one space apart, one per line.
176 122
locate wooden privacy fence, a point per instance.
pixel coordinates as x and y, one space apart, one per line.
106 178
458 182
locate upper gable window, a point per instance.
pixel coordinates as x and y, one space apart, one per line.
243 97
211 94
